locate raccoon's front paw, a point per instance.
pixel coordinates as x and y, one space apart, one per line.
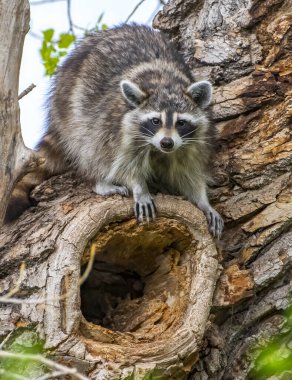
215 222
144 207
103 188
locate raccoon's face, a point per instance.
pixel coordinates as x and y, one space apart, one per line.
168 129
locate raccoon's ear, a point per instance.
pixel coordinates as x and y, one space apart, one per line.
132 93
201 93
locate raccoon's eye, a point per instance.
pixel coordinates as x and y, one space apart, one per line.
155 121
181 123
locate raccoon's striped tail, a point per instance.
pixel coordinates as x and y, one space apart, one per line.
20 199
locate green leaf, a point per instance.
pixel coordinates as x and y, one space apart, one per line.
65 40
52 51
274 357
63 53
104 27
48 34
51 65
131 377
46 51
23 341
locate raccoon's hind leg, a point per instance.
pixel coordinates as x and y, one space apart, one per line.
104 188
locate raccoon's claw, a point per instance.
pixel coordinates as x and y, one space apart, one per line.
215 222
145 209
144 206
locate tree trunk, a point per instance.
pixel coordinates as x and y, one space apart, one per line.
243 47
14 24
153 300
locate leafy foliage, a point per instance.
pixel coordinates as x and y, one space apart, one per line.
275 357
53 50
23 341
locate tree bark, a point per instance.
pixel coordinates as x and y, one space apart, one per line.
14 24
154 299
245 49
157 325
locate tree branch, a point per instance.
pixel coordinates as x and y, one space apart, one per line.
12 376
134 10
49 363
26 91
71 30
13 153
51 375
159 4
45 2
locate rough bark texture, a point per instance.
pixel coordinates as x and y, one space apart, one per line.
149 292
14 24
149 301
244 47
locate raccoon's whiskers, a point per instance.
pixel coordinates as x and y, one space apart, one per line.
142 145
188 133
151 133
190 141
141 138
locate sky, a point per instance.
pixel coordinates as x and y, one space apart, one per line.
85 13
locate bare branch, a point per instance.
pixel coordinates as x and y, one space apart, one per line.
87 271
35 35
26 91
71 30
51 375
12 376
45 2
158 6
134 10
80 28
5 340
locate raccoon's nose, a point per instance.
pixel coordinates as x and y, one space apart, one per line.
166 143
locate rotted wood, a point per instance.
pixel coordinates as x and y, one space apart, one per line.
146 302
245 48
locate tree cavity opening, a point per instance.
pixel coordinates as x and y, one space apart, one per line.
139 281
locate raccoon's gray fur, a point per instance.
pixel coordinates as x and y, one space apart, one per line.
125 113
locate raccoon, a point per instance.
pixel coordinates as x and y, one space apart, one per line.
125 113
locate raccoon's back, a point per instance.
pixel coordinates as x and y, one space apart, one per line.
110 53
101 60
